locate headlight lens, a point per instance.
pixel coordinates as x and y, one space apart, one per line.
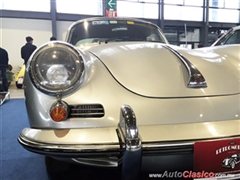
56 67
57 74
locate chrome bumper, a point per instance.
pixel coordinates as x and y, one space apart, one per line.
112 146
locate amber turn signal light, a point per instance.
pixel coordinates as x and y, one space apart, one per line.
59 112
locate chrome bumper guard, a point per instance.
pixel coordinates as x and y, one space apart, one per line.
129 130
132 158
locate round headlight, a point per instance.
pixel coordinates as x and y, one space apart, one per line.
56 67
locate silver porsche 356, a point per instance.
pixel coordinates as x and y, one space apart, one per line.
116 93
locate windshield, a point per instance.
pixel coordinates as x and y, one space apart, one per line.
222 40
114 31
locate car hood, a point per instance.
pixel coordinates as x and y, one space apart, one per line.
152 70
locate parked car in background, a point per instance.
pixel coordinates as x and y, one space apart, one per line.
232 36
117 94
19 76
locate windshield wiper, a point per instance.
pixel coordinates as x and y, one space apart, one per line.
155 41
117 39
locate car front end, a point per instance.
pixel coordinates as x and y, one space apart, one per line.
108 103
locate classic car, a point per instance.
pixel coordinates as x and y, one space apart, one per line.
19 76
232 36
117 94
232 161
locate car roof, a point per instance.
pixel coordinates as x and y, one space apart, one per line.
236 28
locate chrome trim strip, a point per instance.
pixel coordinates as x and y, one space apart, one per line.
81 148
196 79
86 110
156 145
182 144
128 126
115 147
99 162
87 114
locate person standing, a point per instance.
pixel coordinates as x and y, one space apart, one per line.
3 68
27 49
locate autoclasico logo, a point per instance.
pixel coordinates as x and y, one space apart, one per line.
203 174
188 174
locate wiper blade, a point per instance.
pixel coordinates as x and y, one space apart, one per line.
155 41
117 39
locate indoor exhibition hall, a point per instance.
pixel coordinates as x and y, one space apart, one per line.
119 89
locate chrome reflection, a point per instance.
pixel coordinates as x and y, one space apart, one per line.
99 162
196 79
129 129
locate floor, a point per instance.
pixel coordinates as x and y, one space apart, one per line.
15 92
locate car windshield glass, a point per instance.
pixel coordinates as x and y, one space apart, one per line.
114 31
224 38
235 38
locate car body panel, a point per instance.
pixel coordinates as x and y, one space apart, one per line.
198 108
165 63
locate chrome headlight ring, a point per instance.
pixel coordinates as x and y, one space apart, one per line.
56 68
